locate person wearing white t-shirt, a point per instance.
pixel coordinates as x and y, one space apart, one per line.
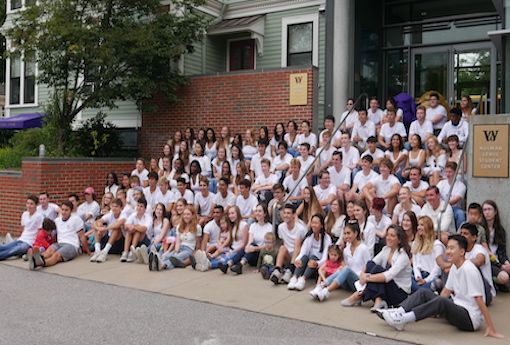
292 234
350 116
325 191
204 201
47 208
306 162
281 161
246 201
31 222
291 181
385 186
152 191
90 208
69 237
479 256
212 228
340 176
135 228
307 136
265 181
458 193
350 154
141 172
374 112
255 165
166 196
456 126
417 186
420 126
329 125
461 302
372 150
224 197
362 178
363 128
325 152
433 208
390 128
106 231
183 192
436 113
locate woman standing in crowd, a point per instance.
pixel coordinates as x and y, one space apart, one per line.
336 220
167 152
167 168
356 255
249 148
397 154
278 134
454 152
189 137
218 161
227 173
200 137
211 145
256 234
406 204
435 161
307 136
203 160
388 276
241 174
177 171
184 155
195 174
380 222
313 253
236 157
415 157
175 143
153 166
112 183
426 248
225 139
467 107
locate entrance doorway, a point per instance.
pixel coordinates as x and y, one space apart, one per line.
455 71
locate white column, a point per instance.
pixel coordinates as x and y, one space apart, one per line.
342 52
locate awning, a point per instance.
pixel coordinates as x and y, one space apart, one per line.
254 25
22 121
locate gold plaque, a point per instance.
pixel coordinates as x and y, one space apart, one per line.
490 151
298 89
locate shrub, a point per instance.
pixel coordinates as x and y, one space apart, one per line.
10 159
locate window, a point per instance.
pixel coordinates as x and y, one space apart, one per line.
13 5
242 55
22 89
300 40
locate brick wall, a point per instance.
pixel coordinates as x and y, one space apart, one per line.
59 177
238 100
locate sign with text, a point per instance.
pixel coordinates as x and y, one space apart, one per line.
298 89
490 151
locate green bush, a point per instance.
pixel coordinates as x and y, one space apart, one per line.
26 142
10 159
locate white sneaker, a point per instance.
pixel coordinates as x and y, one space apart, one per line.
133 250
130 257
287 275
143 254
300 285
103 256
292 283
202 261
95 256
394 318
123 257
315 292
8 238
276 276
323 294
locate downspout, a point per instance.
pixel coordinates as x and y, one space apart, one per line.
214 22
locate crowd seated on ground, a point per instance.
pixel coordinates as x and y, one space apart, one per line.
363 216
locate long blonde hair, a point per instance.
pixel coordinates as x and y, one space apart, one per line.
424 244
437 150
312 207
194 221
332 218
235 225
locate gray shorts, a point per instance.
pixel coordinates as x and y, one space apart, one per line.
68 251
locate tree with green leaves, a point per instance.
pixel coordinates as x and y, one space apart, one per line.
92 53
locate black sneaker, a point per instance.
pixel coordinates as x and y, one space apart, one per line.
502 288
151 260
223 267
237 269
176 262
193 262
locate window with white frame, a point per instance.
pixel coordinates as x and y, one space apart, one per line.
22 80
300 40
14 5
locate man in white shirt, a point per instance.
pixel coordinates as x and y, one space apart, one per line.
351 114
166 196
456 126
436 113
264 183
461 302
420 126
212 228
340 175
391 128
224 197
458 193
255 165
325 191
46 208
183 192
350 154
372 150
31 222
374 113
329 124
432 209
417 186
361 179
69 227
141 172
152 192
363 128
135 229
384 186
325 152
90 208
291 181
246 201
106 233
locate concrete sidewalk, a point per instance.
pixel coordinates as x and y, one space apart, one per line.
250 292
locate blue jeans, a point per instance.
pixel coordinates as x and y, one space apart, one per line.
213 185
268 268
345 278
304 270
415 286
253 257
183 254
235 257
16 248
459 216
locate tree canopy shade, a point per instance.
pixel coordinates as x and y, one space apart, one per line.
92 53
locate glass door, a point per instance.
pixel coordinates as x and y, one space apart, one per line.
430 71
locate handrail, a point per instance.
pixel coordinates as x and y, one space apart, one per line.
484 93
356 103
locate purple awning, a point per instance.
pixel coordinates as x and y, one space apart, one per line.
22 121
